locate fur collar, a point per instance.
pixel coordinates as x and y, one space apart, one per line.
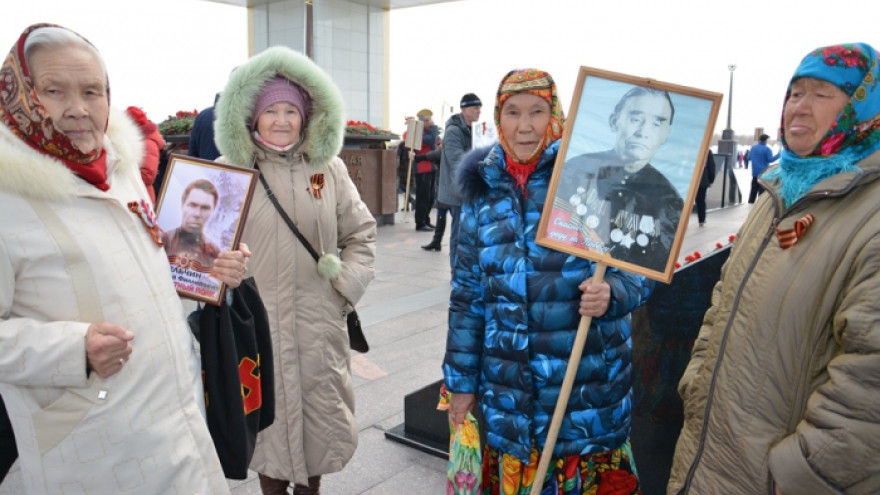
469 179
484 168
25 171
324 128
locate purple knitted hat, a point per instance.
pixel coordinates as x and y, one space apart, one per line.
281 89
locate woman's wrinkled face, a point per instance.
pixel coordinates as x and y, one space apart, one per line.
810 112
71 88
524 120
280 123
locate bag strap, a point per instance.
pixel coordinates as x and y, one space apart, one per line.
286 218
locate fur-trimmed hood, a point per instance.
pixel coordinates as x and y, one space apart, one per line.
325 125
27 172
469 181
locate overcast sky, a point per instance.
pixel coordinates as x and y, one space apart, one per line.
167 55
470 45
162 55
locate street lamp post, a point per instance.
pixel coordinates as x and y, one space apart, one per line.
310 30
727 146
731 68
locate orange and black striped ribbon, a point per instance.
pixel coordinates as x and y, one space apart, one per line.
789 237
317 183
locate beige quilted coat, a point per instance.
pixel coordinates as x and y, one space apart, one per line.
70 255
314 432
784 382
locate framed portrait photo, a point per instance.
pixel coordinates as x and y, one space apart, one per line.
201 210
627 172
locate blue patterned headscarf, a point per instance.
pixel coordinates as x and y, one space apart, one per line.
855 134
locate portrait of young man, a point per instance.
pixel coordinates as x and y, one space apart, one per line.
187 245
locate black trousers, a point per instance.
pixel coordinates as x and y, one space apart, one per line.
424 198
701 204
755 190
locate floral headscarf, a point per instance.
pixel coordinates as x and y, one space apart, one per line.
22 113
855 134
534 82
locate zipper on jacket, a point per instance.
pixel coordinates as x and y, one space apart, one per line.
704 430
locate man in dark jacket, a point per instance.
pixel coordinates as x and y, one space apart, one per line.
706 180
457 140
201 138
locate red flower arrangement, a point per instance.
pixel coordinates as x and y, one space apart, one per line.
358 124
179 123
363 128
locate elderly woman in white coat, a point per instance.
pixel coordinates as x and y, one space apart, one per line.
282 114
97 365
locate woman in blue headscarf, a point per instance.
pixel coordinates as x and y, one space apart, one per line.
782 389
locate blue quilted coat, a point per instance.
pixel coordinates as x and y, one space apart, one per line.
514 315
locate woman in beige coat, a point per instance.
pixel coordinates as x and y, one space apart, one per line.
282 114
781 395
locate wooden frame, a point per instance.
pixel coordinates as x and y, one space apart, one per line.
627 171
184 206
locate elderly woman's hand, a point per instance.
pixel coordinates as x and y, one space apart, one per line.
460 405
107 348
230 267
595 298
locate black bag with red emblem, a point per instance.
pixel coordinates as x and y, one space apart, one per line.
237 370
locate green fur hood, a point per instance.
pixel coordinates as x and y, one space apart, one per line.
325 125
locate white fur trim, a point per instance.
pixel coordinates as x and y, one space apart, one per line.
28 172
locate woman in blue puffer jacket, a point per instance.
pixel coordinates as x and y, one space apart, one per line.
515 308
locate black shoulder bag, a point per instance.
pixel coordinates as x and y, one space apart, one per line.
237 371
357 340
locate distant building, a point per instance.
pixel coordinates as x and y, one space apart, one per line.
346 38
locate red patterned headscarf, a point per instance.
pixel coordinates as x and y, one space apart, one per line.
22 113
534 82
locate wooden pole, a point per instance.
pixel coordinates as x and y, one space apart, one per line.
565 391
406 195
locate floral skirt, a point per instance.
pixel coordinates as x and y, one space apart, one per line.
603 473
